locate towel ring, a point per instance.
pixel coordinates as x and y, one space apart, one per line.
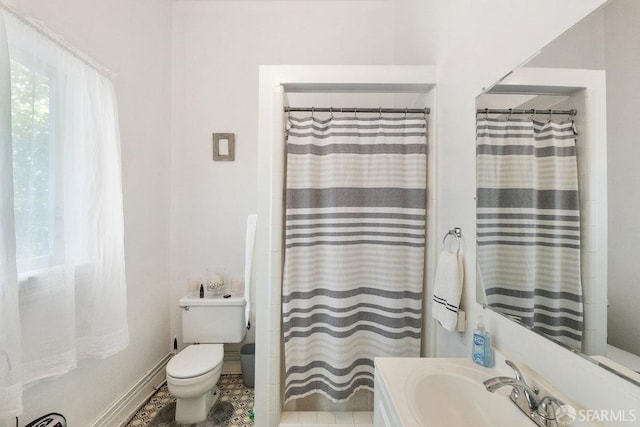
457 233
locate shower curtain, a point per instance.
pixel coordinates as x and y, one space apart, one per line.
528 224
354 249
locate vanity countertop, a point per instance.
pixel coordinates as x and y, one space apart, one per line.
445 392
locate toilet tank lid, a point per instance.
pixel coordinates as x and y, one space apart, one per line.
195 360
194 301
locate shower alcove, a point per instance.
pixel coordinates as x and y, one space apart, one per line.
320 86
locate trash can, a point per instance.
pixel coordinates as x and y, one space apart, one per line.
248 362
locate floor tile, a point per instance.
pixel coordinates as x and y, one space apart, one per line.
232 392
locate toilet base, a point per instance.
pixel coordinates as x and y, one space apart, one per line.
195 410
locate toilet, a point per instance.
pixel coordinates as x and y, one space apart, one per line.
192 374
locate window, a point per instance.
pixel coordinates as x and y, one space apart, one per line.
38 220
67 301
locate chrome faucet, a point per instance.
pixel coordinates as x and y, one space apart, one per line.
540 411
522 395
547 410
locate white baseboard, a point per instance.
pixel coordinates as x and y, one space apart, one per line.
126 406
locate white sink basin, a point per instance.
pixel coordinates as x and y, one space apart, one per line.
460 399
446 393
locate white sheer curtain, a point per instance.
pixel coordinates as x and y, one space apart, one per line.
10 372
62 267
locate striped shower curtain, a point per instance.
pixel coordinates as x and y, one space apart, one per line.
354 251
528 224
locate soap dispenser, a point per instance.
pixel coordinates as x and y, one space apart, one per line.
478 344
482 352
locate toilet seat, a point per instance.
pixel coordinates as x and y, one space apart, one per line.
195 361
206 381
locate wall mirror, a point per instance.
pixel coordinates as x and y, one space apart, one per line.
558 234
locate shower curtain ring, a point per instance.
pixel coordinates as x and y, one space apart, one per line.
510 113
355 112
313 110
486 113
405 112
533 113
379 112
549 118
331 111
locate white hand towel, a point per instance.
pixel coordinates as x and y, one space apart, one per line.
250 241
448 289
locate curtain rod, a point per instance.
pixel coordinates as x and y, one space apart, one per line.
529 111
56 38
358 110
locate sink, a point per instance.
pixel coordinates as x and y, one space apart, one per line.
443 392
460 399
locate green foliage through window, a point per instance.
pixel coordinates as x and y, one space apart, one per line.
33 161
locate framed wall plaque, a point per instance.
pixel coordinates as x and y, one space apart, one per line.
224 146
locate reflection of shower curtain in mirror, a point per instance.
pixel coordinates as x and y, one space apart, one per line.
354 255
528 224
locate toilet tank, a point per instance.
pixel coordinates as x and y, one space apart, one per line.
213 320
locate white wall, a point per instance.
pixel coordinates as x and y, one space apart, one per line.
581 46
131 38
217 48
414 32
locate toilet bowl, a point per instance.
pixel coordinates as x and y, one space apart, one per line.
191 377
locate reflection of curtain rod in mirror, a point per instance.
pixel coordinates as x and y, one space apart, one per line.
529 111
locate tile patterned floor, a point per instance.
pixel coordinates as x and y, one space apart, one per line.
232 390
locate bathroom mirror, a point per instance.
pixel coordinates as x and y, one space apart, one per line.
590 76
